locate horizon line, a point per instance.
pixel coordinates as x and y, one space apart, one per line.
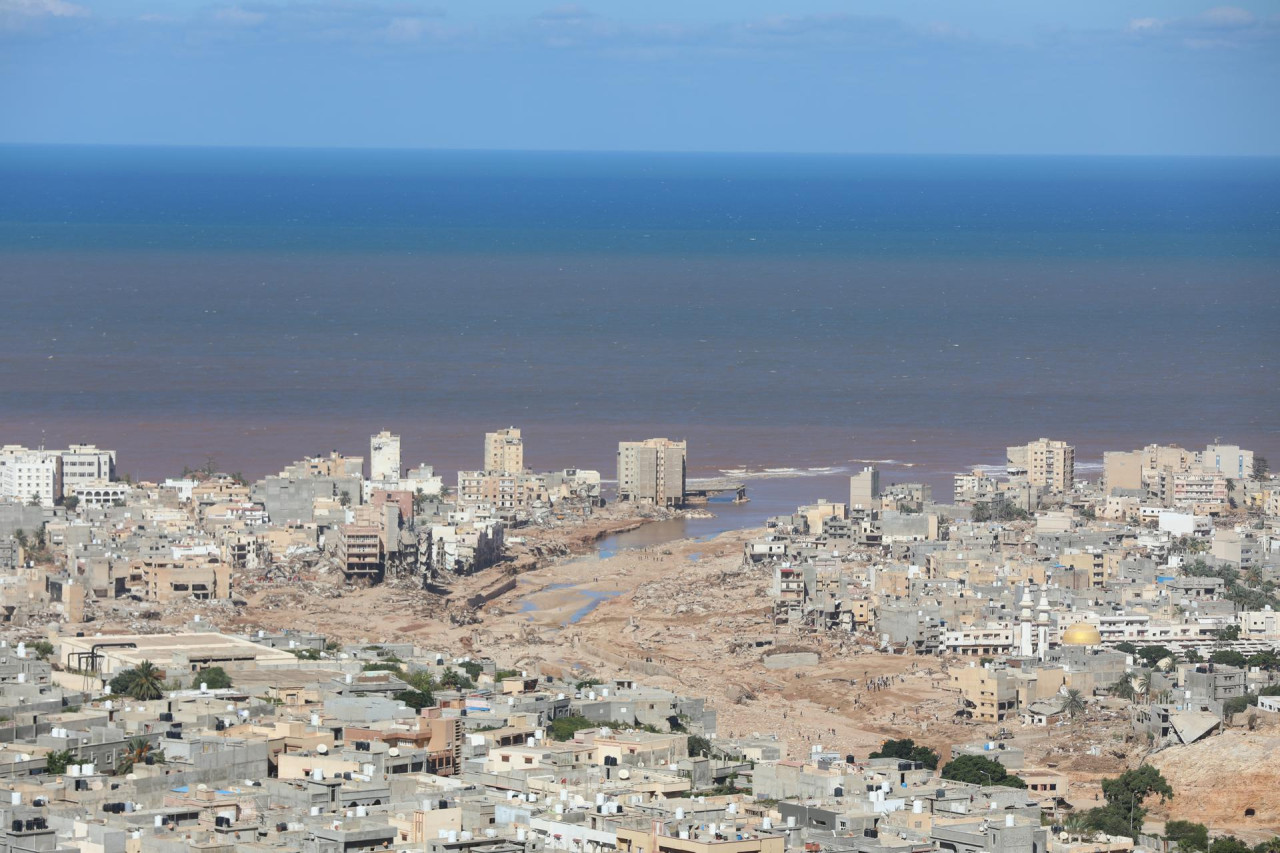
626 151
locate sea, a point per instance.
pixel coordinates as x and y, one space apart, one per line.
793 317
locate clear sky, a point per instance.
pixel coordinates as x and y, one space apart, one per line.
897 76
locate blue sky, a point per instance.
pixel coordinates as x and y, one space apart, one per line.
910 76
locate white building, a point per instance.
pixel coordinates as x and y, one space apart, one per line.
100 493
86 463
31 474
384 456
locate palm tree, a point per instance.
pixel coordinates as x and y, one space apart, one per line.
147 682
1144 684
1077 826
1074 704
136 751
1122 688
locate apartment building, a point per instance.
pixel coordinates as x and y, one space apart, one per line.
504 450
359 551
83 464
31 475
501 489
864 489
1048 464
1229 460
384 456
652 471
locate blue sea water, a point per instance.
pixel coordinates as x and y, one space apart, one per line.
787 312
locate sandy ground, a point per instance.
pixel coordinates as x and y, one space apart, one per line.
689 617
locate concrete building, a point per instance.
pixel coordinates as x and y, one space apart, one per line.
86 463
1048 464
359 551
652 471
384 456
504 450
1229 460
501 489
31 476
864 489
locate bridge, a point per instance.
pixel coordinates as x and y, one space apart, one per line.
700 491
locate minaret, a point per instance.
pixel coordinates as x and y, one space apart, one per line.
1042 623
1024 623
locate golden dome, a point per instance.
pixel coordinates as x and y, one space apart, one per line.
1081 634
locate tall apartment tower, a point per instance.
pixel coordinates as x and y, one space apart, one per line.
384 456
1049 464
652 471
504 450
864 489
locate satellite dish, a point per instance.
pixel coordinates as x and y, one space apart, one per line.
322 749
624 774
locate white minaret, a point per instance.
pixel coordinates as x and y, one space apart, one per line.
1042 623
1024 623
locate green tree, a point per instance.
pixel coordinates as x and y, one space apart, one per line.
422 682
1190 837
1267 659
147 682
21 536
344 499
1260 467
1074 704
907 750
1152 655
977 770
35 500
415 699
456 680
55 763
699 746
472 668
563 728
70 502
1228 657
136 751
214 677
1229 844
1193 656
1124 813
1127 647
42 648
1123 688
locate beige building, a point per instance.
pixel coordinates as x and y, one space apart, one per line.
1048 464
504 450
203 580
864 489
501 489
359 551
652 471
